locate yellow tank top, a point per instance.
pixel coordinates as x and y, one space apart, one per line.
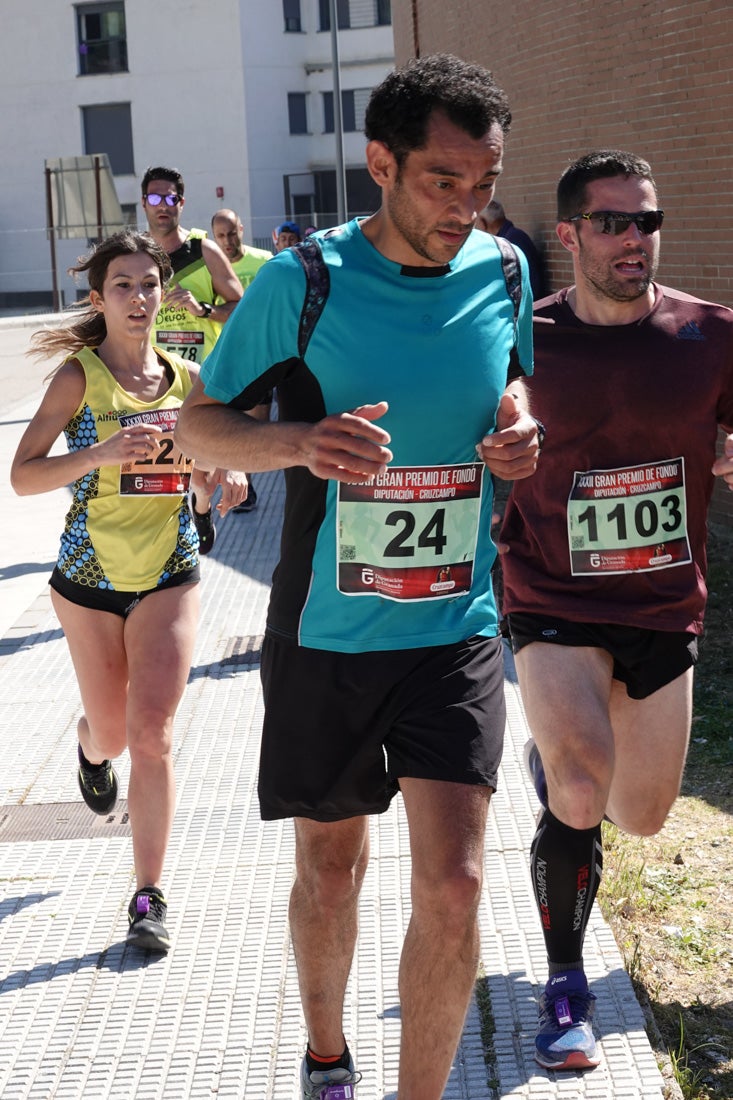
129 527
176 330
252 260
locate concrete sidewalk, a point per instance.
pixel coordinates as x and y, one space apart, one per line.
81 1016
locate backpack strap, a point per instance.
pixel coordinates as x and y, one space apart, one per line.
317 287
512 273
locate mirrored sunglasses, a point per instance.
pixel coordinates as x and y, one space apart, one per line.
169 200
615 223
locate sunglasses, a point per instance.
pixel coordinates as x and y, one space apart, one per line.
609 221
169 200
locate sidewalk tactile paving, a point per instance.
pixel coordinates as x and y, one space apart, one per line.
81 1016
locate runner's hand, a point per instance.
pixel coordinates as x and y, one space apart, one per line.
233 483
723 466
131 444
348 446
511 451
234 486
184 299
496 521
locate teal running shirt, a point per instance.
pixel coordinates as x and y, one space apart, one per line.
405 561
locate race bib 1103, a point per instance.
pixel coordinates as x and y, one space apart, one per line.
627 520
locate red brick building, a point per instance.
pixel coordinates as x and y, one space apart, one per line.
649 77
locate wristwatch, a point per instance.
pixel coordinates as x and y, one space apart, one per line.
207 308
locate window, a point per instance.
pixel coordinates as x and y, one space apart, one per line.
362 194
353 107
384 13
303 206
108 129
291 13
297 116
356 13
342 10
101 37
361 99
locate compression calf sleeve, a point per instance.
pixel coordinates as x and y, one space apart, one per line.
566 866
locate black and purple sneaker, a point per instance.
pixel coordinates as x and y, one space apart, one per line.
146 914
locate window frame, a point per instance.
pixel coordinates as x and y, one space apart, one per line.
292 17
121 157
343 15
301 100
348 112
115 45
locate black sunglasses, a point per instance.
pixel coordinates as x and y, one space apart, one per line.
610 221
169 200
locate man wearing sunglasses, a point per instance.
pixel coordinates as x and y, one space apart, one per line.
605 563
190 319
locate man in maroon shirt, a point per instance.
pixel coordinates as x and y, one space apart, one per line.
604 578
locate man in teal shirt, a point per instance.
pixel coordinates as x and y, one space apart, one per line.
382 665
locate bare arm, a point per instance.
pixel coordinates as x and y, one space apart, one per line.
225 282
206 476
34 470
511 452
344 446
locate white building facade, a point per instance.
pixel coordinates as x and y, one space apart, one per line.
237 95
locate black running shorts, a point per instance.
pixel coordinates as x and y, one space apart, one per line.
644 660
117 603
342 729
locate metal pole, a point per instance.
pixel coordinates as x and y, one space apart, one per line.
338 124
98 194
52 238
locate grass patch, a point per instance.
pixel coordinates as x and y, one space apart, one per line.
488 1030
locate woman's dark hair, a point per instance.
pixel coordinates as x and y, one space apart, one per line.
88 328
400 107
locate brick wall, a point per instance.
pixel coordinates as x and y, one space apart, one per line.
650 77
631 74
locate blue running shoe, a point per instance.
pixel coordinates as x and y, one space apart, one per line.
535 771
564 1033
333 1084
